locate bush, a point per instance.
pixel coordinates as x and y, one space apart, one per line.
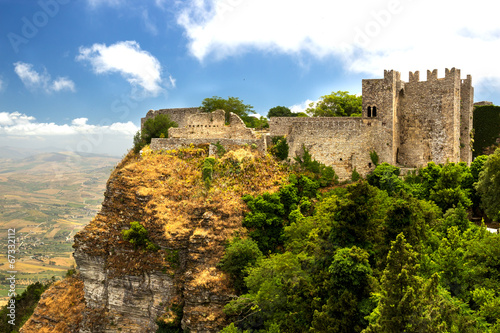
325 175
138 235
240 255
207 170
220 150
279 148
156 127
374 157
355 175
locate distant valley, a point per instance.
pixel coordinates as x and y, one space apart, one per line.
47 197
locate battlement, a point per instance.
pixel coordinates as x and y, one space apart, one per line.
432 76
392 75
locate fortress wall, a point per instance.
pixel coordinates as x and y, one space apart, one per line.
466 124
343 143
228 144
429 119
179 115
212 126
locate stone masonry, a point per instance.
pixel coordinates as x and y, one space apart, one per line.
406 123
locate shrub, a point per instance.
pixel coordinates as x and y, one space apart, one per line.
207 170
138 235
220 150
325 175
240 255
355 175
279 148
374 157
156 127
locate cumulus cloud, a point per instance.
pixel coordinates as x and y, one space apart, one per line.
367 36
18 124
296 108
34 80
17 129
137 66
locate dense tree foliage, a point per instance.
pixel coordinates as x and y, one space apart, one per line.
386 254
25 304
337 104
488 186
156 127
280 111
231 104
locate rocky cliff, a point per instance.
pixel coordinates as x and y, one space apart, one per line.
128 288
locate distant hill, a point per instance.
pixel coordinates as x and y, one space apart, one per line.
16 153
47 197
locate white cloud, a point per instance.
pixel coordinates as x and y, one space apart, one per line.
139 67
62 83
367 35
17 129
2 84
35 80
18 124
302 106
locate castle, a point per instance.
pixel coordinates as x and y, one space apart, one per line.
406 123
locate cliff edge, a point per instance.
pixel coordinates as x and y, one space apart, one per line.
129 288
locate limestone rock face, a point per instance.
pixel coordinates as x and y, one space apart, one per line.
132 302
132 289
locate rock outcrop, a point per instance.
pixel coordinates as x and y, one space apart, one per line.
131 289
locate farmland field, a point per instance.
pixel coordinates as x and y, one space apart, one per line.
47 198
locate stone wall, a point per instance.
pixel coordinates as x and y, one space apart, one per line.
178 115
212 126
340 142
228 144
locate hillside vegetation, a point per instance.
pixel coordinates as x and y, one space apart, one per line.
287 250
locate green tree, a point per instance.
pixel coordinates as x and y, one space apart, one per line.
406 302
386 177
279 148
25 306
337 104
279 290
448 191
488 186
240 255
349 290
231 104
280 111
156 127
358 220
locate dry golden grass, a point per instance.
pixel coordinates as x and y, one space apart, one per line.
165 193
59 310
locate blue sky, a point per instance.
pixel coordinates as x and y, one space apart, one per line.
79 74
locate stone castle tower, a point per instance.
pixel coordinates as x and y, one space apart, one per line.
424 120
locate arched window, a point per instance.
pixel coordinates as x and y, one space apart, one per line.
374 111
369 113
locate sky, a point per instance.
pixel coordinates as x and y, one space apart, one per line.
78 75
